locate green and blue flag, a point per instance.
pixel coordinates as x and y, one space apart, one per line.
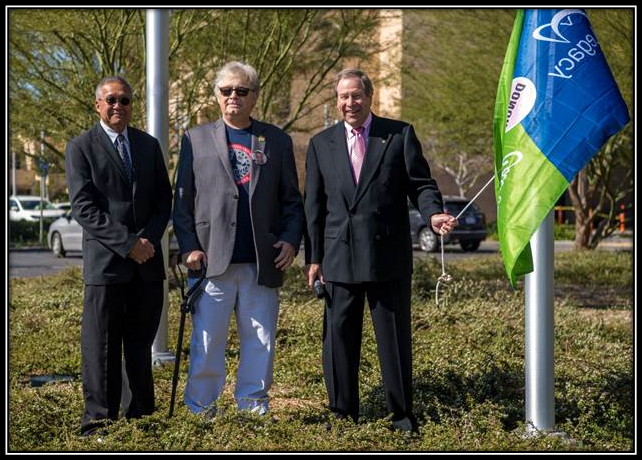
557 103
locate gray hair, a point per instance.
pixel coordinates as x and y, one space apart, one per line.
238 69
354 73
112 79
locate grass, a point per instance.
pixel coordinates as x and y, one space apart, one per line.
468 369
560 231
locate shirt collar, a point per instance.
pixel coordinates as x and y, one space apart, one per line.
366 127
114 134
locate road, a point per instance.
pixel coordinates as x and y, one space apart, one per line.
451 252
25 263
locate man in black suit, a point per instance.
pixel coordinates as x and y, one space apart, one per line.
359 174
121 196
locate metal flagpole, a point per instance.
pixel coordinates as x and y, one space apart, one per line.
13 172
157 34
539 332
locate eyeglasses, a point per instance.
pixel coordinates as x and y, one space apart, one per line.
111 100
239 90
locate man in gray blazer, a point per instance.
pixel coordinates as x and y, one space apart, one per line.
238 210
121 196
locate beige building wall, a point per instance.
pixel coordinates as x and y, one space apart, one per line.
389 71
28 177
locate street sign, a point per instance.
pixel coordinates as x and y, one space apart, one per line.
43 165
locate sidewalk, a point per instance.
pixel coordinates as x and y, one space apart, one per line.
615 242
28 248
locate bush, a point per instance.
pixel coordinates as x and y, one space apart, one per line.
560 231
564 231
23 232
468 369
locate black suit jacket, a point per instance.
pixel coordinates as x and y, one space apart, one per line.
362 233
112 213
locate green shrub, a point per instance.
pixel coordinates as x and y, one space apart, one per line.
564 231
25 232
560 231
468 369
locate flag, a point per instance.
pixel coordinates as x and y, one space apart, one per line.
557 103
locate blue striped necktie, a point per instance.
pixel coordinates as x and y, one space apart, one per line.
124 156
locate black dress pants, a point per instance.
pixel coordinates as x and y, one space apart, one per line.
119 321
390 310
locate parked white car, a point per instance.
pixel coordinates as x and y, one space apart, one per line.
27 207
65 234
64 205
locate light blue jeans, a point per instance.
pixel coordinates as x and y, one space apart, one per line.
257 309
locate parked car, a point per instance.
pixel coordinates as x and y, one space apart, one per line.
469 233
64 205
27 207
65 234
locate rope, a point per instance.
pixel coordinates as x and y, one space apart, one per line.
445 277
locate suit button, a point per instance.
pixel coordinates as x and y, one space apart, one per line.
236 197
377 237
233 224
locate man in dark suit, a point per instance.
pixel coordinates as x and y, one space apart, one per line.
121 196
359 174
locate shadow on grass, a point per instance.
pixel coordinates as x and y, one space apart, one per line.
452 392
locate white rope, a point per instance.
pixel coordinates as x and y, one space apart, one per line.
445 277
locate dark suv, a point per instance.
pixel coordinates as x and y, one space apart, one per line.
469 233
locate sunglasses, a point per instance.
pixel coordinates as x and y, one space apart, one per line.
123 100
239 90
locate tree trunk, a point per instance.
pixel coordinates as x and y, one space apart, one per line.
577 190
582 234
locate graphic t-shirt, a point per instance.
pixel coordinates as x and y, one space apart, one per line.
239 145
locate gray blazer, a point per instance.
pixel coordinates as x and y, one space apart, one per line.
207 197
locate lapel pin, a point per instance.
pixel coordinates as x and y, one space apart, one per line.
259 156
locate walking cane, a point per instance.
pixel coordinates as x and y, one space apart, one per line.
187 305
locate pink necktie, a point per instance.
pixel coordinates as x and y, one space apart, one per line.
358 152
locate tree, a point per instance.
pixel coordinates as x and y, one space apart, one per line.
606 183
453 58
599 189
56 57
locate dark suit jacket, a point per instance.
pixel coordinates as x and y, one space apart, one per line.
362 233
206 198
112 213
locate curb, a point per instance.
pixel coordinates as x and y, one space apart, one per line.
29 249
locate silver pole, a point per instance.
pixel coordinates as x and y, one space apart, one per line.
42 185
539 332
13 172
157 37
42 155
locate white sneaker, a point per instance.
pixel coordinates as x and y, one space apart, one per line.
254 406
